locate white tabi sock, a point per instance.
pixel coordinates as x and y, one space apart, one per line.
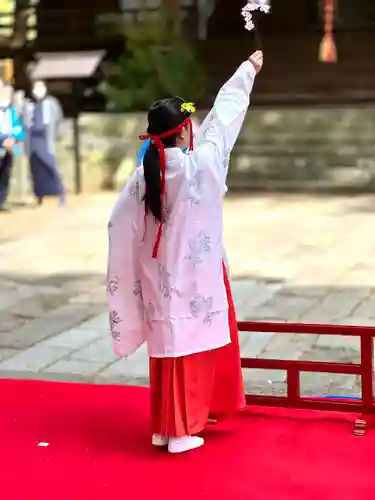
186 443
158 440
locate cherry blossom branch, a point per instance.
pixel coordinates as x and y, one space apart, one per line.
249 9
248 13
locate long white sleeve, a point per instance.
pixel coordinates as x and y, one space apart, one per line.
123 277
218 133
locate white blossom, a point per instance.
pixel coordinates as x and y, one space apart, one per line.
249 25
261 5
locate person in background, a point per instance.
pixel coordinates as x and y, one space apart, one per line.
43 119
11 132
167 283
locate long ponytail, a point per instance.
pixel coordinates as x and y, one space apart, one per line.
151 168
152 174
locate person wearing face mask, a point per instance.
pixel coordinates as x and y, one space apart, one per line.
43 119
11 132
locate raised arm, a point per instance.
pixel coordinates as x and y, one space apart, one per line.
229 109
218 133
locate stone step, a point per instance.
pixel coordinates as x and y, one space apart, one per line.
344 97
278 79
304 138
306 148
339 184
303 142
304 60
296 62
310 132
312 115
313 81
301 91
345 42
301 166
325 152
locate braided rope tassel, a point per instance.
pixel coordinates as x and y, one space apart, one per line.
327 49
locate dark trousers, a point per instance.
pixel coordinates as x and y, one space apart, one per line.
5 171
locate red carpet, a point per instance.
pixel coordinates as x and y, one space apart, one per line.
99 448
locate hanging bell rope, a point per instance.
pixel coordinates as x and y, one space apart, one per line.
327 49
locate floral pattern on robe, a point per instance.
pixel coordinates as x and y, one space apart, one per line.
177 303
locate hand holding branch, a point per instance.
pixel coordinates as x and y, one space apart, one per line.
256 60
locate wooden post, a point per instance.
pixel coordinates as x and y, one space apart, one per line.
171 6
8 70
171 9
76 138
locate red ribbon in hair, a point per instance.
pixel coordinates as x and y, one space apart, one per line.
157 139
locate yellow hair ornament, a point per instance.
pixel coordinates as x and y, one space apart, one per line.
188 107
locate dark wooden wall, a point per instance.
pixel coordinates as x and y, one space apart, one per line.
286 15
292 72
93 5
71 25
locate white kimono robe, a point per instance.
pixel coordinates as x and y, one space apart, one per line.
177 302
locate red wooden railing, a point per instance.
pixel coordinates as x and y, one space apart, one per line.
364 407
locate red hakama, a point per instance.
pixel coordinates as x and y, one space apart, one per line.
186 390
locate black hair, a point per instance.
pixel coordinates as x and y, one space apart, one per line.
163 116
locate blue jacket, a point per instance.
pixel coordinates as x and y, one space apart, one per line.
17 131
142 151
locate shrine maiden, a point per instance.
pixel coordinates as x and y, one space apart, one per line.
167 284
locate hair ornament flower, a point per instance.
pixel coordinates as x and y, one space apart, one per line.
188 107
260 5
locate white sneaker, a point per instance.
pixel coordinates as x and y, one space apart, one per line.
186 443
158 440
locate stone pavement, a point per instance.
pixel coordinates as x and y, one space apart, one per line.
293 258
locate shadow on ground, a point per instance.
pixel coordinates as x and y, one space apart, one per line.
33 309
